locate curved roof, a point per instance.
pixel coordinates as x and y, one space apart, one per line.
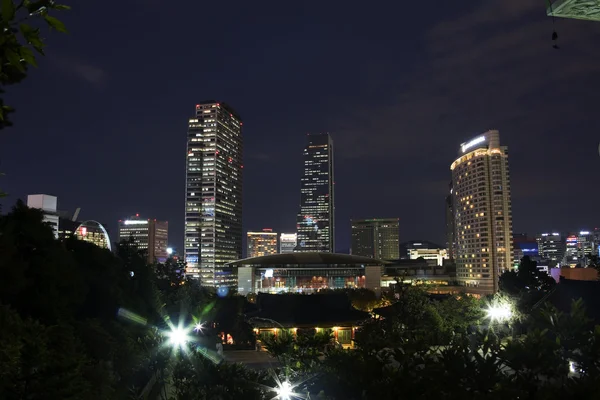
308 258
97 225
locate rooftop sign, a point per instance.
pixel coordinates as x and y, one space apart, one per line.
466 146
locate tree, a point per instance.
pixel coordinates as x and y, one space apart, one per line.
63 299
19 40
527 283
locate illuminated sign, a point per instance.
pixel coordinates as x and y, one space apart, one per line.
269 273
584 233
474 142
556 234
135 222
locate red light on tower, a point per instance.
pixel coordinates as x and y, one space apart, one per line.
137 215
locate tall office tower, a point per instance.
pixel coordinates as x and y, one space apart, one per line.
376 238
551 247
287 242
47 204
147 234
315 223
482 211
262 243
213 194
450 228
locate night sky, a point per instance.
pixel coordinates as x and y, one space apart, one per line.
399 85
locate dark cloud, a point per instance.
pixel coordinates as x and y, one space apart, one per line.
87 72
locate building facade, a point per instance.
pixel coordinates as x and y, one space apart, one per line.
147 234
261 243
482 213
376 238
315 223
213 194
47 204
551 247
287 243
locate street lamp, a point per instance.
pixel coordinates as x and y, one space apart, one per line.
499 312
284 391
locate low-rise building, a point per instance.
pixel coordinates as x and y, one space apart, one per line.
307 273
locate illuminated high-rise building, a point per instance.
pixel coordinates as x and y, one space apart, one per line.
147 234
551 247
482 212
261 243
315 223
287 242
213 194
376 238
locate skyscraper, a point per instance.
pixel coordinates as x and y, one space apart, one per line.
315 223
213 193
376 238
261 243
287 242
482 211
147 234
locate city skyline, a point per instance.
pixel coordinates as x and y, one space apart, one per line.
396 116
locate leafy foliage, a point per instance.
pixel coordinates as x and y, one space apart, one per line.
527 283
62 300
19 40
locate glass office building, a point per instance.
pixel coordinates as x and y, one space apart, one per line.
315 222
213 193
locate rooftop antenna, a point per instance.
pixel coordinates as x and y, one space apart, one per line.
76 214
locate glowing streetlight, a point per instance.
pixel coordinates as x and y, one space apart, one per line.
169 250
284 391
178 337
499 312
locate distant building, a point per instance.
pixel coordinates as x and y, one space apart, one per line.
551 247
586 246
434 257
93 232
147 234
213 193
406 247
571 251
376 238
287 242
523 246
315 222
47 204
482 213
261 243
307 273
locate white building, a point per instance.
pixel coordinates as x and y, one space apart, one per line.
47 204
287 242
434 257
